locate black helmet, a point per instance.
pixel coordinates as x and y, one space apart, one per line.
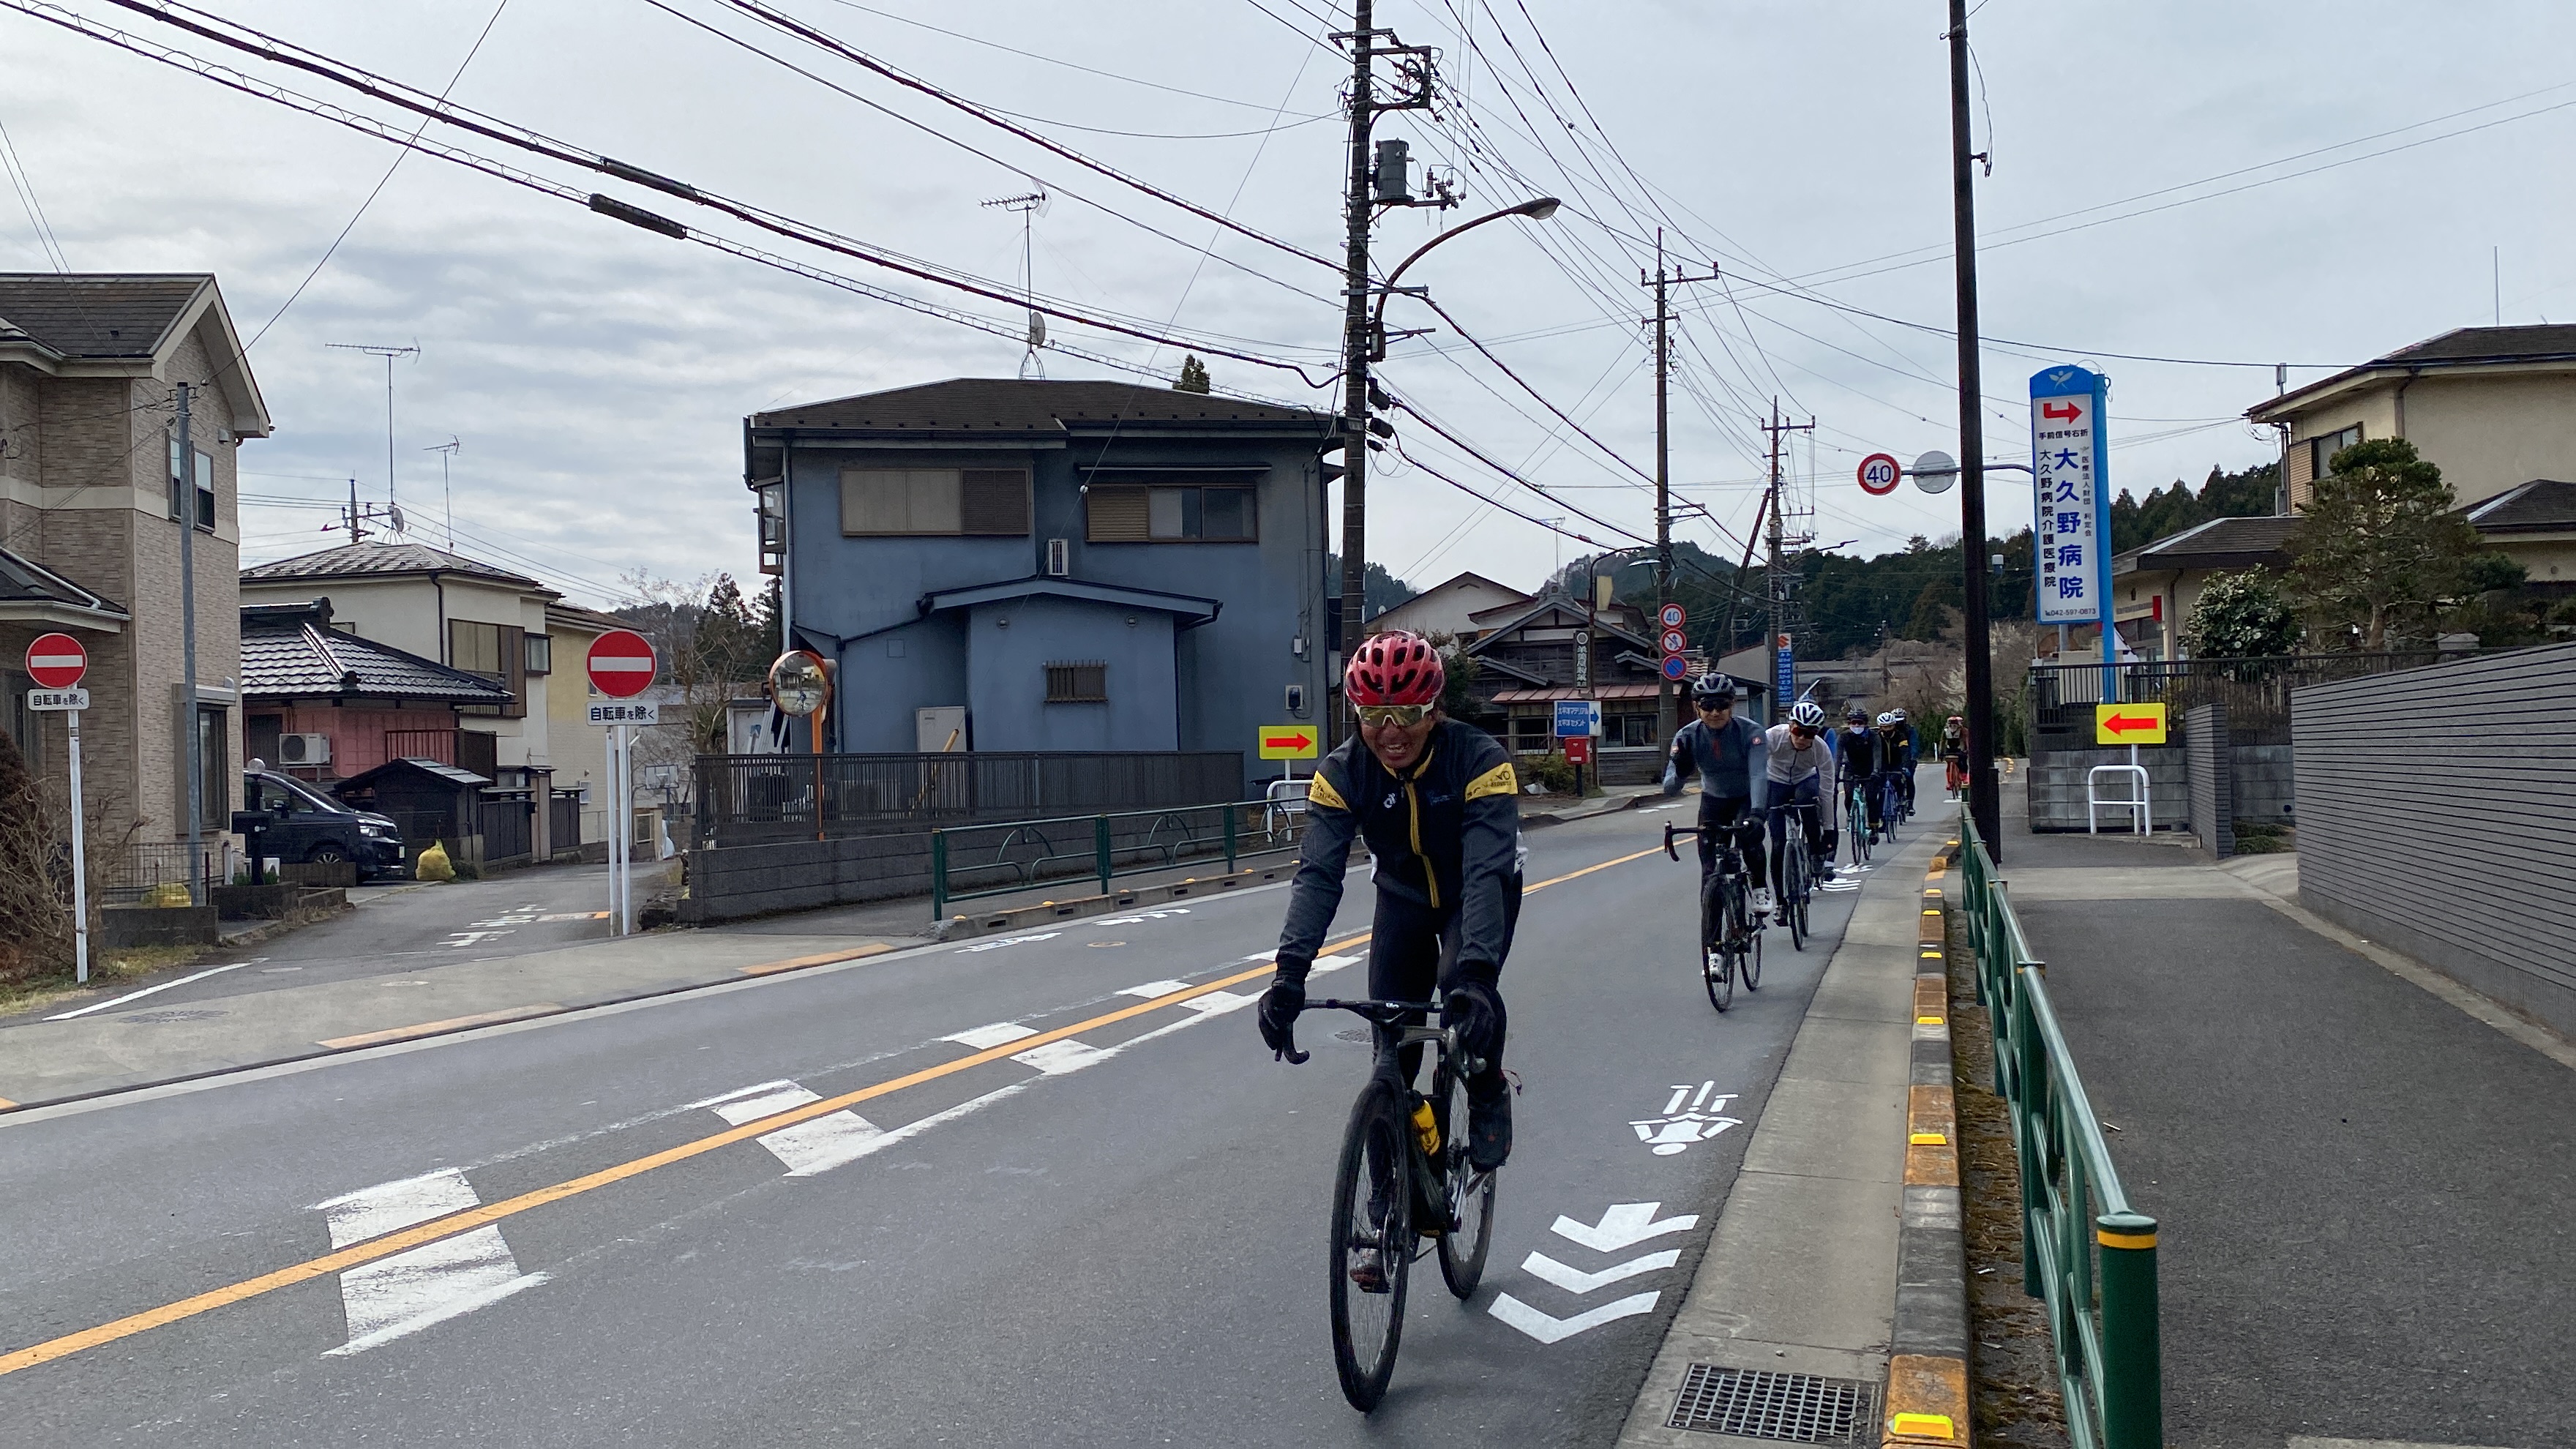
1712 690
1856 715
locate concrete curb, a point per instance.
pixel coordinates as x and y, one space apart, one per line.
1927 1368
1567 817
1019 918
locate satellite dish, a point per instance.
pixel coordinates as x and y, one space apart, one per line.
1935 471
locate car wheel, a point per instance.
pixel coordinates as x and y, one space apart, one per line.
327 853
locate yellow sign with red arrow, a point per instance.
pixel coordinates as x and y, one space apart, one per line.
2129 724
1289 742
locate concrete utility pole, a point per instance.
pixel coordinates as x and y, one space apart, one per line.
190 726
1772 583
1985 804
1667 693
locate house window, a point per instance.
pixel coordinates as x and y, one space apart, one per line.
2321 450
1636 729
982 502
215 802
1530 733
205 488
1078 683
1183 514
541 654
497 652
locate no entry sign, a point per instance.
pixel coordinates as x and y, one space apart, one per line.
621 664
56 661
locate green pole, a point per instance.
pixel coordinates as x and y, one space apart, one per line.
2023 1097
2133 1410
1100 849
939 875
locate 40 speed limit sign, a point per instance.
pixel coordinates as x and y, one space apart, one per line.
1879 474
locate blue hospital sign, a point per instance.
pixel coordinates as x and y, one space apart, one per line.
2070 539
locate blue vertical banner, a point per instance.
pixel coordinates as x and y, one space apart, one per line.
2070 469
1788 682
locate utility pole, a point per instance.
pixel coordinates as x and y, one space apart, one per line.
1359 205
1773 584
1985 804
191 727
1667 694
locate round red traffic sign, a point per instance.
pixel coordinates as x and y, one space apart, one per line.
621 664
56 661
1879 474
1673 641
1670 616
1676 667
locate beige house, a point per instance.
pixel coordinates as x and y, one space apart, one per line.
1450 607
2494 407
487 621
2154 589
91 523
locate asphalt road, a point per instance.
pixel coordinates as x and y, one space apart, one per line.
1117 1239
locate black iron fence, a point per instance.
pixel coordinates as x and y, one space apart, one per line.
2256 692
143 864
755 799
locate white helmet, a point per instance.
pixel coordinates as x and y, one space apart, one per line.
1807 714
1884 720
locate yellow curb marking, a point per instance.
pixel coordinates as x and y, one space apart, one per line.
1929 1020
418 1234
1926 1139
433 1028
798 963
2110 1239
1923 1426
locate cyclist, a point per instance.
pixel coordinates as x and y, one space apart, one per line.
1726 750
1882 786
1903 757
1856 752
1954 754
1797 765
1439 806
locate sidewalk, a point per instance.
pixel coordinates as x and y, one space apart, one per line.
2361 1170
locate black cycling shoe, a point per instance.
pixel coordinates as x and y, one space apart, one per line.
1489 1130
1367 1273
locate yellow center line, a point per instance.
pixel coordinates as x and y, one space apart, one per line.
419 1234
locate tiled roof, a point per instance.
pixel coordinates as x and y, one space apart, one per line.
290 650
362 560
2541 505
410 764
98 315
2491 344
1012 405
2221 543
24 581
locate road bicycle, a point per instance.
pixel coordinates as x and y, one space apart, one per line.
1730 940
1856 816
1404 1176
1890 800
1797 872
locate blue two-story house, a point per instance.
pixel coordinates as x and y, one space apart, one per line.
1000 564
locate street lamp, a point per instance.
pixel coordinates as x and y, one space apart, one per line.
1538 210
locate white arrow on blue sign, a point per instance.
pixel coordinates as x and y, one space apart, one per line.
1577 717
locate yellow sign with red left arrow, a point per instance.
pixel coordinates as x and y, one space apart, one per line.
2129 724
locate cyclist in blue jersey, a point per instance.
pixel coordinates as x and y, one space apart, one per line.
1726 751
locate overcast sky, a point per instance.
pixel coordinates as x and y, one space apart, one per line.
596 375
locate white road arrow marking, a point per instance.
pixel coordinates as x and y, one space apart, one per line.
1624 1225
1551 1330
809 1148
403 1294
1575 1280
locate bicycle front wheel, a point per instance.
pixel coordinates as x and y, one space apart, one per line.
1372 1244
1793 885
1471 1201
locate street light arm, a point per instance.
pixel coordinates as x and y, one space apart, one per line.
1538 210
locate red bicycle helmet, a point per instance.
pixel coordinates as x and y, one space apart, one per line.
1396 667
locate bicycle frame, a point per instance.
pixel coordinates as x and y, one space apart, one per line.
1423 1171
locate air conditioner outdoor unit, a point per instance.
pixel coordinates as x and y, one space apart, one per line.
304 749
1059 558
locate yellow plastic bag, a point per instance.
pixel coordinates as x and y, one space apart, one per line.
167 893
433 864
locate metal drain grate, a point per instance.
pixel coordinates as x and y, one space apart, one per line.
1797 1408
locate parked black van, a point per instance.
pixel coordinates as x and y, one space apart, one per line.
312 827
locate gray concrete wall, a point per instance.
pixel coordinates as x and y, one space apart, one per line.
2434 818
2266 783
2054 784
2213 790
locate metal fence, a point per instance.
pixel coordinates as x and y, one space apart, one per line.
753 799
2255 691
972 861
2085 1250
144 864
508 820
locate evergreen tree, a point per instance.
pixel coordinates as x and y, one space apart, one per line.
1194 376
2382 552
2241 616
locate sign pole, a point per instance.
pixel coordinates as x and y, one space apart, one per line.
80 865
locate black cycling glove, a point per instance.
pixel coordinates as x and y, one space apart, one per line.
1279 1007
1475 1009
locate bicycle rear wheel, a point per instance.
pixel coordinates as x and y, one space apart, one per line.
1793 884
1372 1243
1749 960
1471 1199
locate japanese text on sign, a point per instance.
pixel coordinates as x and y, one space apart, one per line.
2065 524
626 714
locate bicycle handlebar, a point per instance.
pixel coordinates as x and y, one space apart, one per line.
1383 1013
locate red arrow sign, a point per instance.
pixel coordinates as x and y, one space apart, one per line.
2061 412
1297 741
621 664
2119 724
56 661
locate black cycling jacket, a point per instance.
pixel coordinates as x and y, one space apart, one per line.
1444 835
1858 750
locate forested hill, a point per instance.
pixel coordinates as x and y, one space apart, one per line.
1908 593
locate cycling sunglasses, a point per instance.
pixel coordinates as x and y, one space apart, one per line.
1802 731
1375 716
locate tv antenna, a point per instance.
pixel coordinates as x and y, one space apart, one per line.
357 517
1029 207
388 352
445 451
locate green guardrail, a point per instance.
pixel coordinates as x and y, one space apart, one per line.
970 862
2085 1250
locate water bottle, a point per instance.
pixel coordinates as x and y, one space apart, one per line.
1426 1127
